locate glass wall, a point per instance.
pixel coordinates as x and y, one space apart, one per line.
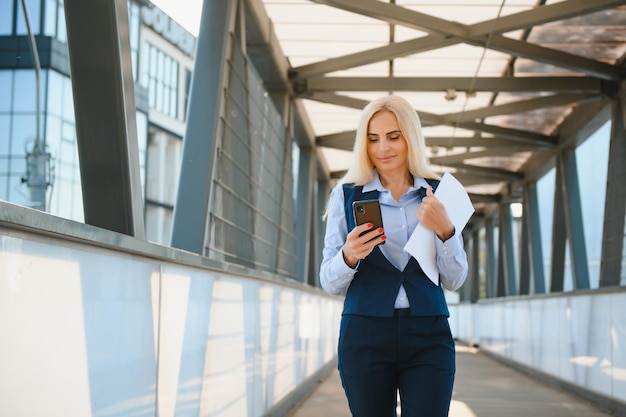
6 17
591 158
162 79
18 131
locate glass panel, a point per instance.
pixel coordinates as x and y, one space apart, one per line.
68 100
50 20
6 86
6 18
142 138
55 93
61 29
53 135
25 81
23 136
592 163
17 191
4 179
5 126
34 13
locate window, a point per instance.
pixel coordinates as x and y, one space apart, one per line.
162 82
34 14
6 17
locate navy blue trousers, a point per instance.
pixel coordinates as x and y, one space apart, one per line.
381 356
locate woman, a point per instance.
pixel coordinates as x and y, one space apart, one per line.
394 334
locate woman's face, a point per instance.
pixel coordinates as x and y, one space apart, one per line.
386 146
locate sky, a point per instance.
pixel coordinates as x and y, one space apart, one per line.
185 12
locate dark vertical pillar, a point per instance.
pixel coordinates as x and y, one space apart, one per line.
507 252
304 201
574 220
557 270
104 106
491 259
531 212
203 124
475 267
525 271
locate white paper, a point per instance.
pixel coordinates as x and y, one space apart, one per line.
421 244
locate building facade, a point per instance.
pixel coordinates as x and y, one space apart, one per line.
39 165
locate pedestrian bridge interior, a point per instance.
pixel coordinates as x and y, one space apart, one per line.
521 100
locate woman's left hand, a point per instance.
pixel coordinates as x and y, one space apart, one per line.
433 215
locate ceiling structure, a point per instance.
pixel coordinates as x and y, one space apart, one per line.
492 80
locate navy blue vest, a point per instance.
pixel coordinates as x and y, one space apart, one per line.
375 286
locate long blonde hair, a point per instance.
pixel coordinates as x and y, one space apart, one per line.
360 171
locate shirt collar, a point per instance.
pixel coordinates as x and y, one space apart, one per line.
374 184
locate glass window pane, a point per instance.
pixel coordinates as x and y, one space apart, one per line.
34 13
5 126
25 100
55 93
53 134
6 17
17 192
50 21
23 136
4 180
68 100
6 86
61 29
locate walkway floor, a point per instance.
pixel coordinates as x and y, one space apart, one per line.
483 388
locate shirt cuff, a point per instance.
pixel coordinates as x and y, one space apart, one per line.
343 273
450 247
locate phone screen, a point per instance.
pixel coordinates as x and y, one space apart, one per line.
367 211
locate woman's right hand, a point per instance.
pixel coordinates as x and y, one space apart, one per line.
358 247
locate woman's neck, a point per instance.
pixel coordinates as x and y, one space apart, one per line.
397 184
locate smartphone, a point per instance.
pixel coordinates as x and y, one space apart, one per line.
367 211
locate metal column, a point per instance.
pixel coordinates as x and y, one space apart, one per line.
557 271
304 202
574 220
506 253
531 214
491 258
203 124
104 105
615 204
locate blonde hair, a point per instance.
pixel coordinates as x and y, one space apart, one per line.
360 171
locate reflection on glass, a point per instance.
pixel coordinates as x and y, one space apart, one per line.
34 13
6 18
591 157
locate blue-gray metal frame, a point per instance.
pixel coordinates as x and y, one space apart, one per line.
574 220
322 191
531 214
615 201
491 258
524 269
304 201
104 106
475 267
203 124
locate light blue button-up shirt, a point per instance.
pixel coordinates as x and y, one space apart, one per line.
399 221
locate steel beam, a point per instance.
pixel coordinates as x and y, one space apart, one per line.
104 107
203 124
